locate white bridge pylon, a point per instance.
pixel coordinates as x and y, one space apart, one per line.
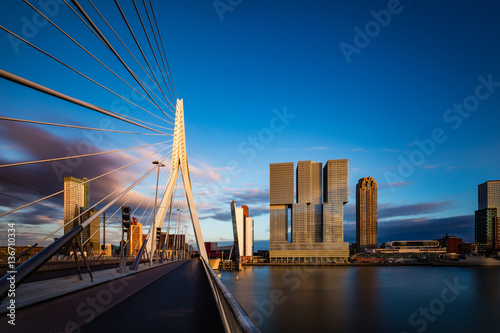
179 162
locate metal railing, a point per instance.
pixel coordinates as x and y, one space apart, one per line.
234 318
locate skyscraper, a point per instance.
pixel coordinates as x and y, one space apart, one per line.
315 220
366 214
76 195
487 226
242 232
77 202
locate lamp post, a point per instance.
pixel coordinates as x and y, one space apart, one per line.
159 164
175 245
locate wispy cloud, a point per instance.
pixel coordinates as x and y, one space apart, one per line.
316 148
421 228
358 149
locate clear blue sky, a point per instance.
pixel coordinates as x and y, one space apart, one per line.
378 82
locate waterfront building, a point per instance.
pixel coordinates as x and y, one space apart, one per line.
408 250
242 232
453 244
309 230
366 214
487 227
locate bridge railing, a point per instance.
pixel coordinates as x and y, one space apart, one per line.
234 318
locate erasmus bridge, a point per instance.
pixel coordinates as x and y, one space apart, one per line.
70 69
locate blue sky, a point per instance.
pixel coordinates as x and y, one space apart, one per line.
392 106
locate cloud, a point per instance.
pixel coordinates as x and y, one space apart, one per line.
423 228
395 184
387 211
316 148
24 184
390 211
358 149
432 166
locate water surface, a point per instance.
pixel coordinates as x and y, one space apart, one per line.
369 298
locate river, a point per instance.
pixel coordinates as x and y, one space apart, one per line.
369 298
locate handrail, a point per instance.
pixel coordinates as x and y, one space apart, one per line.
234 317
31 265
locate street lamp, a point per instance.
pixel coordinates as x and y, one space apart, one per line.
159 164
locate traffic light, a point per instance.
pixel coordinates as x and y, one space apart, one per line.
126 217
158 234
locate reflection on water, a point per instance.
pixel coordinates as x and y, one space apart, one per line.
369 299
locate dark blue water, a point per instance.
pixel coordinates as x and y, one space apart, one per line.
369 299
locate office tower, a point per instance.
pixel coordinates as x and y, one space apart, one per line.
135 238
76 195
76 203
242 232
366 214
315 220
281 200
489 195
336 195
487 226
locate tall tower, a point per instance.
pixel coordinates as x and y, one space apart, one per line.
336 195
307 213
366 214
76 196
77 202
242 233
487 226
281 201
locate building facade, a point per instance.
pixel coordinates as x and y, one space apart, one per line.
366 214
76 211
135 238
76 196
487 226
242 232
309 230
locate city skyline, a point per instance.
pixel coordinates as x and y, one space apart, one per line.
414 106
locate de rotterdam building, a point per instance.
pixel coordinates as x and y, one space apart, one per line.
306 220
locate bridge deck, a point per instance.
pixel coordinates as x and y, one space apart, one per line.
174 298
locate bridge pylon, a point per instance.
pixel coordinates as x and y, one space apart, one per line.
179 163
